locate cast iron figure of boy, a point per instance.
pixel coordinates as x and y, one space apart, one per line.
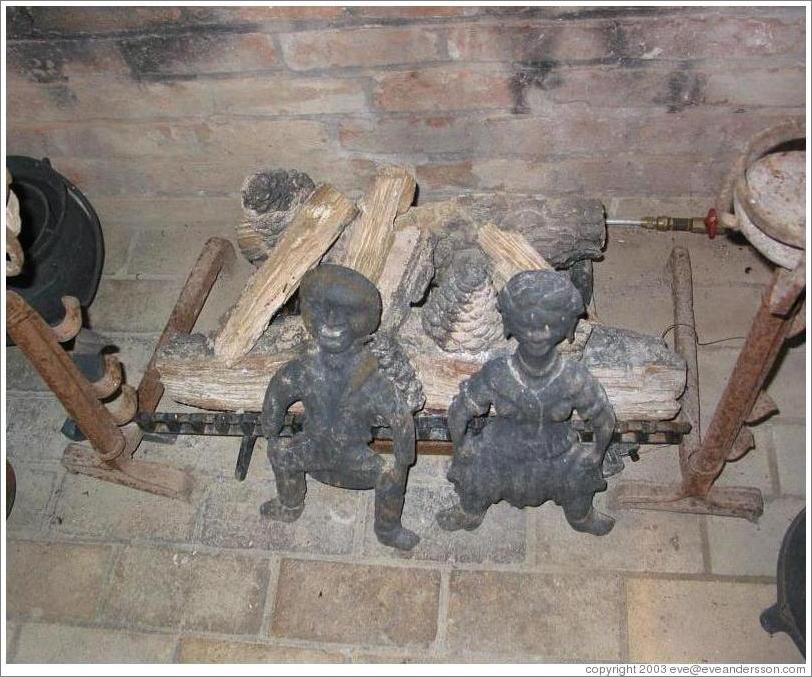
528 453
344 394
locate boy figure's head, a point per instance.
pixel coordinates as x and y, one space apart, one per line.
339 306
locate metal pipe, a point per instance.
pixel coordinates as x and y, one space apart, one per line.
705 225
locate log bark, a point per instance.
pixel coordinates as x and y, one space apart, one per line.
316 226
371 235
643 378
562 230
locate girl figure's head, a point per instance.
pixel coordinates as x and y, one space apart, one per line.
540 308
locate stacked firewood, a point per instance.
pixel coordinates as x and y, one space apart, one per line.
438 266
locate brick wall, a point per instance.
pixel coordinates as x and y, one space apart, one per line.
180 103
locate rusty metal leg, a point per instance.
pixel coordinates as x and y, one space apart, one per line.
693 495
755 361
153 477
37 340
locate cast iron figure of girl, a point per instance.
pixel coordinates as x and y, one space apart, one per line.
528 453
344 394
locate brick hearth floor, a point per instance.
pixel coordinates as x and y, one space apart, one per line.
98 572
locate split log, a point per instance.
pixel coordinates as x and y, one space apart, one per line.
562 230
509 253
370 237
315 227
642 377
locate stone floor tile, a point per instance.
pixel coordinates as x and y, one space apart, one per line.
20 375
133 305
500 538
725 311
223 593
356 604
55 581
231 518
44 643
226 594
534 616
88 507
116 249
205 650
32 427
643 309
35 486
741 547
689 621
788 383
640 541
430 468
790 451
171 251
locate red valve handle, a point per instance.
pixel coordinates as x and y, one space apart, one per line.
712 223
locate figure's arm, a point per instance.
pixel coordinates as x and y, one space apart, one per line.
473 399
593 405
283 390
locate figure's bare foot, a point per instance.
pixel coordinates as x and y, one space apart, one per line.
275 510
595 522
454 518
399 537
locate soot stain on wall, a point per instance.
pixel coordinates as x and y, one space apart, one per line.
684 88
535 74
157 56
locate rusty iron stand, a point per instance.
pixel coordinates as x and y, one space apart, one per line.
113 440
743 402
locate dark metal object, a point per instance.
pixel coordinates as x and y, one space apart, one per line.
87 356
788 614
345 393
166 426
688 495
36 339
11 488
528 453
61 237
119 468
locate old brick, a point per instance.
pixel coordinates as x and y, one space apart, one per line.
87 507
102 19
501 538
285 140
41 643
88 98
782 86
445 176
32 501
33 423
619 174
326 526
262 14
411 12
200 53
532 616
387 606
790 450
740 547
702 622
288 96
55 61
223 593
640 541
205 650
169 251
364 47
55 581
539 41
443 88
134 305
134 212
182 177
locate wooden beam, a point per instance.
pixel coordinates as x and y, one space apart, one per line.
313 230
